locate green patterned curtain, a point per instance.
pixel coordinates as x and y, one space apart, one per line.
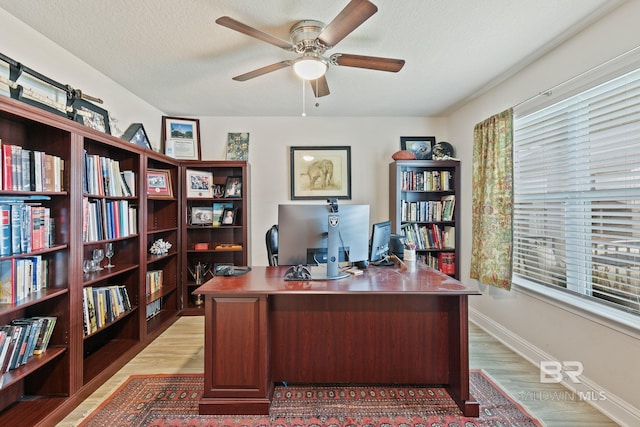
492 201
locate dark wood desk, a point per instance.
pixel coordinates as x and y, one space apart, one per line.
385 326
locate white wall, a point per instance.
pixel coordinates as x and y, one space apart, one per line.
25 45
611 356
372 140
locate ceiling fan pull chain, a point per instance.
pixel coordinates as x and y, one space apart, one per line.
304 111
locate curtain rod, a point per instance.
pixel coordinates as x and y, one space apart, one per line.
549 91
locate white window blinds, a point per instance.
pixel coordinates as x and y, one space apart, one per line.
577 194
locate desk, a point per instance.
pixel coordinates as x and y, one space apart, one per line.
385 326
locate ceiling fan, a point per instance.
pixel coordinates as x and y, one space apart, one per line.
310 39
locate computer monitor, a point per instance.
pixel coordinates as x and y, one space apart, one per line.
304 235
380 239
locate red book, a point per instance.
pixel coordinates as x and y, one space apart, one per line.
7 168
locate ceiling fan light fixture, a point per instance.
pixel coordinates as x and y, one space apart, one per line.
310 67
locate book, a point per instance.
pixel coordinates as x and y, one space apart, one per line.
7 295
42 342
5 230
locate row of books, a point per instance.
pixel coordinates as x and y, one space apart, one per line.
154 281
428 210
108 219
102 177
24 226
30 170
429 236
428 180
102 305
153 308
20 277
443 261
23 338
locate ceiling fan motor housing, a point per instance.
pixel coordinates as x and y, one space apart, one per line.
304 36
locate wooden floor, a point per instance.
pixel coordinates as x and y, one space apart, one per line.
181 350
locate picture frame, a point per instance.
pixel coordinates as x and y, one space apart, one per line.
136 134
91 115
181 138
159 184
199 183
237 146
228 216
420 146
320 172
233 187
218 209
218 191
201 215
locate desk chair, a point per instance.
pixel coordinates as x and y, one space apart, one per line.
272 245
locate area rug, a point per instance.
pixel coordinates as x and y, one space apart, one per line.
172 400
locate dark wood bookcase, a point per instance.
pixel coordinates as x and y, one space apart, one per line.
76 362
217 243
162 222
414 186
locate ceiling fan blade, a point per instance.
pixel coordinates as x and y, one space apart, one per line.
261 71
228 22
370 62
320 87
354 14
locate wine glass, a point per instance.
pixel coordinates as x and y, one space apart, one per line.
108 252
98 256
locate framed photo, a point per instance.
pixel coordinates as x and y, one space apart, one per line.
159 184
420 146
91 115
199 183
218 190
181 138
233 187
320 172
218 209
228 216
201 215
136 134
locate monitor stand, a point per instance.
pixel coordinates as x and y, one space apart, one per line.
319 272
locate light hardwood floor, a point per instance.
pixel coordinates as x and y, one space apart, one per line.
180 349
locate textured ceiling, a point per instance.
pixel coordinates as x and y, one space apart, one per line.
173 54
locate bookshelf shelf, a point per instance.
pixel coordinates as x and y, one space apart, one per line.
420 194
213 234
86 214
74 365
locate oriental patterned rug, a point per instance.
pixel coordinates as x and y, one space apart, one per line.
172 400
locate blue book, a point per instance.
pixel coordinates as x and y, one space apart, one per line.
16 228
5 230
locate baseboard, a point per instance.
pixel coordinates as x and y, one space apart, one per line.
606 402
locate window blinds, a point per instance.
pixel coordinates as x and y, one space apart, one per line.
577 193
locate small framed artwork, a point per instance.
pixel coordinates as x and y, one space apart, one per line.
320 172
218 209
237 146
91 115
199 184
159 184
420 146
181 138
201 215
136 134
228 216
233 187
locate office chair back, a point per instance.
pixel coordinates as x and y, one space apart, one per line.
272 245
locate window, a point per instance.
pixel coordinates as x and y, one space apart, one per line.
577 194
